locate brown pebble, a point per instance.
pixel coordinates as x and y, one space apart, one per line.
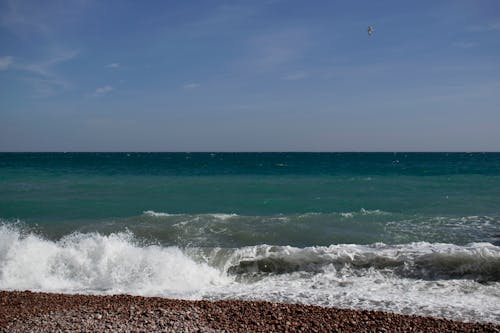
42 312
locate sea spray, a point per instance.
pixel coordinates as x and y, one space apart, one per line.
94 263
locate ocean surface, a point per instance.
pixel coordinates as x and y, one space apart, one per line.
414 233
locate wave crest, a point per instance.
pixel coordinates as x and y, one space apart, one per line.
98 263
476 261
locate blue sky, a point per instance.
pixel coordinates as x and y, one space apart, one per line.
83 75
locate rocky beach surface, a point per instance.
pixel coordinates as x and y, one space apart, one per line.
26 311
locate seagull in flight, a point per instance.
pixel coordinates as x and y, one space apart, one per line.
370 30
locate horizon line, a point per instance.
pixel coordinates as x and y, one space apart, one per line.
252 152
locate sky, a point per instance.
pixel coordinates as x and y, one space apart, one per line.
89 75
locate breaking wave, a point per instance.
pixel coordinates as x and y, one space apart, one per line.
476 261
438 279
95 263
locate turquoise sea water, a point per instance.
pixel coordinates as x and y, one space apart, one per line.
406 232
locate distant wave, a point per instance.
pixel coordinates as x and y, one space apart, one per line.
156 214
224 216
363 226
363 211
219 216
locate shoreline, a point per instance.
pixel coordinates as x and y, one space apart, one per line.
22 311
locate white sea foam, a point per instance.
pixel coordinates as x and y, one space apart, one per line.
223 217
445 228
367 277
373 212
218 216
157 214
363 212
463 300
95 263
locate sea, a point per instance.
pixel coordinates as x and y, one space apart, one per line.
412 233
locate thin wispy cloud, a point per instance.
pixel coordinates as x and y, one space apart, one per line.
46 67
114 65
493 26
5 62
42 75
41 18
47 86
103 90
271 50
41 22
192 85
20 17
223 17
465 45
295 76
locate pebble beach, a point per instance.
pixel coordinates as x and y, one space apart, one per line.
25 311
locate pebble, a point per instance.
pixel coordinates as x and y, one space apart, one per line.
43 312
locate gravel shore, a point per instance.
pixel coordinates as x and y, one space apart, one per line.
42 312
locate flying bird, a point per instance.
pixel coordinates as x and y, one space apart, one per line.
370 30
